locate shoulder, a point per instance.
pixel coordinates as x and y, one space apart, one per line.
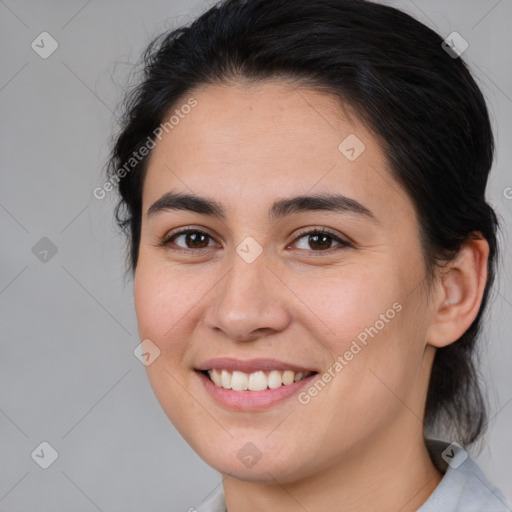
464 487
213 503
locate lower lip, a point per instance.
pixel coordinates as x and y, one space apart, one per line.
251 400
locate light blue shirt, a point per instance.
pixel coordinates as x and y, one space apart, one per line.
464 488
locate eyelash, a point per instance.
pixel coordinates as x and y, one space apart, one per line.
301 234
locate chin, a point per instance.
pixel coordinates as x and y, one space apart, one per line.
244 461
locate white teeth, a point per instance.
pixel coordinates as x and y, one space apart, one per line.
239 381
256 381
226 379
215 376
274 379
288 376
299 376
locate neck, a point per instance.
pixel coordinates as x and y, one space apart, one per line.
387 476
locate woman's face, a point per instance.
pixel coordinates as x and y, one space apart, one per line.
260 294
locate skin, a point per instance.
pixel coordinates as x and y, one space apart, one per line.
359 442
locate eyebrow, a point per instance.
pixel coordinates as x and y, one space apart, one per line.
280 208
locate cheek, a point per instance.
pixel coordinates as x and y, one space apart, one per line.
164 308
371 326
345 302
165 302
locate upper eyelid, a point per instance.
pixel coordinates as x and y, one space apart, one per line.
317 229
184 231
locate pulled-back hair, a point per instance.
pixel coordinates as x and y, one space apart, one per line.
420 102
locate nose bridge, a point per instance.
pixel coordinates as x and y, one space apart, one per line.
247 299
246 279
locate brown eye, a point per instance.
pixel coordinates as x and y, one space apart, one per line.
191 239
320 240
196 240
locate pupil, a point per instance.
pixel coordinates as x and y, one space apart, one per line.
324 244
194 237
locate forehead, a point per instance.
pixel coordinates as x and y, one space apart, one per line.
248 144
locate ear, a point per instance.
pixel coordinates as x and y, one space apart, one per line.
458 293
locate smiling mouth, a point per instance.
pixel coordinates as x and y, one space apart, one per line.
256 381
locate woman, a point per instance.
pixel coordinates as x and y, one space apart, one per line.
303 184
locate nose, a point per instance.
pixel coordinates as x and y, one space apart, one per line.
249 301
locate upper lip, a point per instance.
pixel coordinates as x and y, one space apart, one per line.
250 365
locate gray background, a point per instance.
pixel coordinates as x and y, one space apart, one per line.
68 374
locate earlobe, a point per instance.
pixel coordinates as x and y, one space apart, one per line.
459 293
